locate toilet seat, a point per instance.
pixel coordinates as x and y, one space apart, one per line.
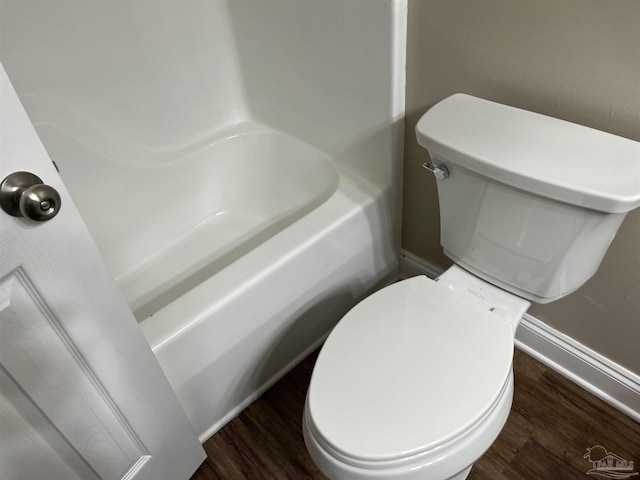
413 368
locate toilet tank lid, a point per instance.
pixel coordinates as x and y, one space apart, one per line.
536 153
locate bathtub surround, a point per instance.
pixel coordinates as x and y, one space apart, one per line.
577 61
237 162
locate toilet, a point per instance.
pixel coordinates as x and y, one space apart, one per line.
416 381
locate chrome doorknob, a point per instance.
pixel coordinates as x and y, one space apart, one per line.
22 194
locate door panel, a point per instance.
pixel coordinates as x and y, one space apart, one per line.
30 445
40 357
81 392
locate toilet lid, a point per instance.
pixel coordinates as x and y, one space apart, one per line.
411 367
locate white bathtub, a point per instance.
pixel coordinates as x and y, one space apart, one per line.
237 258
238 163
230 337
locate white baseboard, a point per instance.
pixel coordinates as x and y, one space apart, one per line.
598 375
412 265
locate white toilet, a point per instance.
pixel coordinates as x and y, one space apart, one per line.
416 381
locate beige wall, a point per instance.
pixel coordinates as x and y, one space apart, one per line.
578 60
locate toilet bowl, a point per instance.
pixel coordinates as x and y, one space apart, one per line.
415 382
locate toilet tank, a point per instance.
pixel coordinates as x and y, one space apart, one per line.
531 203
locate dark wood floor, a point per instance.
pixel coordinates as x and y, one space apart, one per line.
552 423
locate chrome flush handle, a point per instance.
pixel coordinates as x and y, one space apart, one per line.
440 171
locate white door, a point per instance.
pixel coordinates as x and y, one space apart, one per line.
81 393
